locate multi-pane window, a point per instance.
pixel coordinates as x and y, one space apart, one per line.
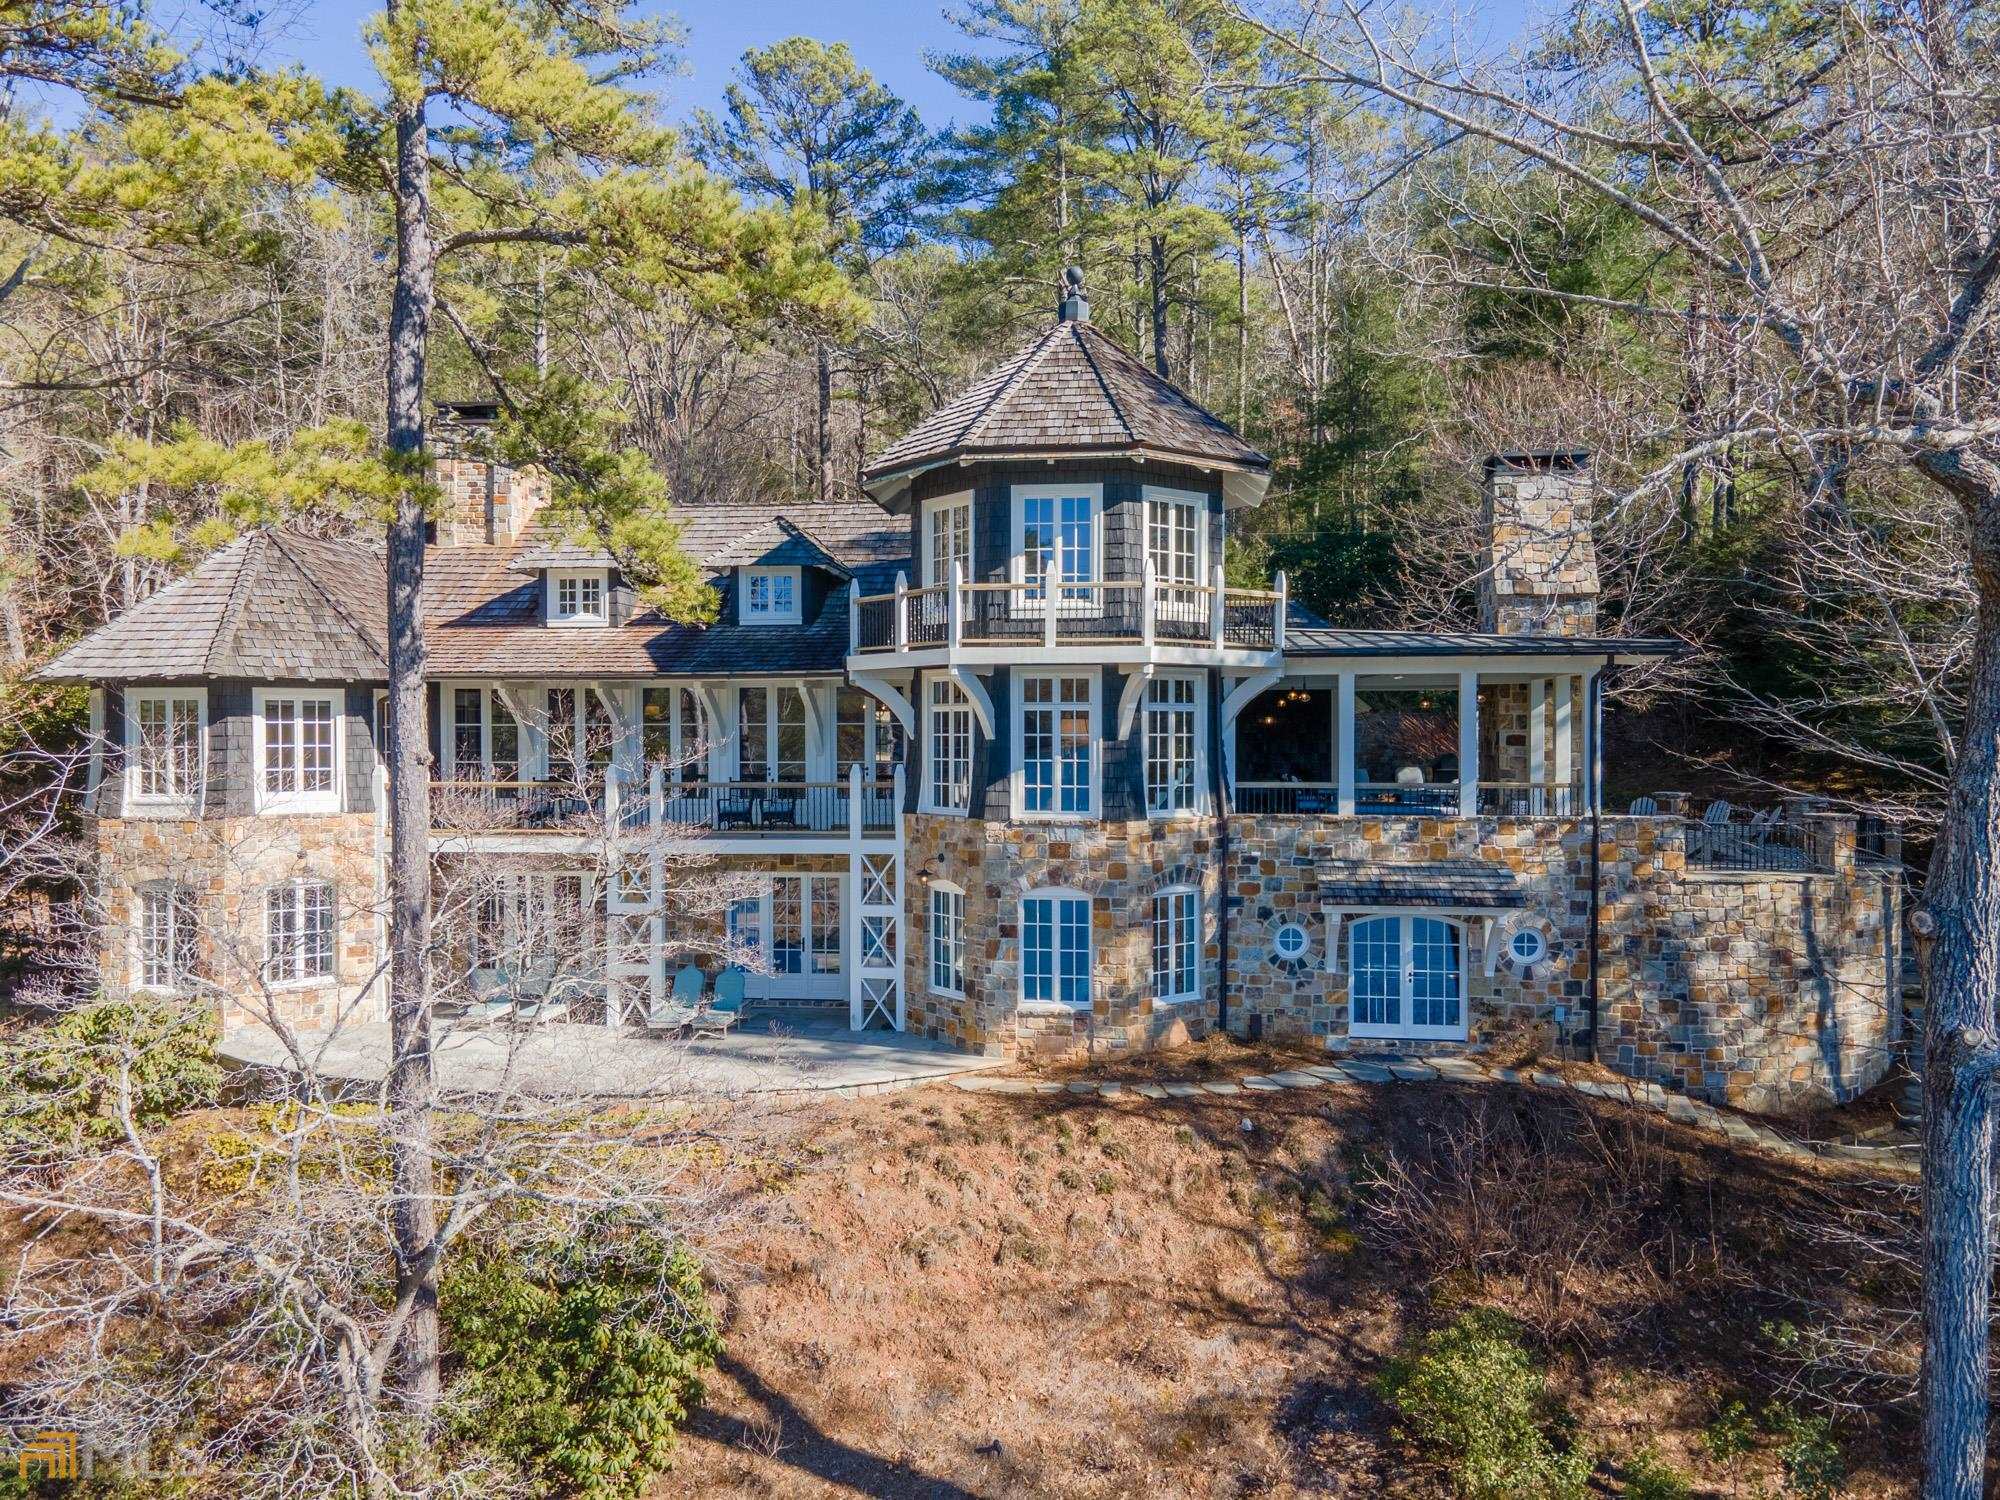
1061 528
947 939
865 734
1406 977
579 597
298 932
1170 744
167 937
582 736
771 595
1173 546
949 779
802 916
1055 948
1177 945
771 742
485 739
670 731
300 746
949 533
1056 744
164 744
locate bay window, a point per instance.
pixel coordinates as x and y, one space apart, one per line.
1406 977
1055 948
1055 745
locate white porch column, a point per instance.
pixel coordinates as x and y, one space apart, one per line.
1343 743
1540 800
1468 743
1565 746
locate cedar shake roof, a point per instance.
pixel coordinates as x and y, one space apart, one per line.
274 606
1457 883
1315 639
1070 391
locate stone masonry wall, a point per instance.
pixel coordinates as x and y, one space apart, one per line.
1120 866
227 863
1766 991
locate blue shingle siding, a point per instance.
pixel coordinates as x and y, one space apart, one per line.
360 751
1124 760
231 789
992 760
110 799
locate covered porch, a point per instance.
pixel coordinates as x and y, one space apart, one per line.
560 1059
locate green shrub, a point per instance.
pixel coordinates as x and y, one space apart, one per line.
61 1080
1473 1394
1650 1477
1810 1456
1730 1435
578 1361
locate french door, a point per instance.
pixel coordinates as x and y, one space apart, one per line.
791 936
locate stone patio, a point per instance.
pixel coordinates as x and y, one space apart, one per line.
561 1058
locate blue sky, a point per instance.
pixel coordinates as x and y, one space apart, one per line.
888 37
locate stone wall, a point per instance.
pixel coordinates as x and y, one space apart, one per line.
226 864
1766 991
1540 574
1120 866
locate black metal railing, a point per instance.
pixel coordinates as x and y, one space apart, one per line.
740 807
875 623
1762 844
1322 799
1529 799
533 806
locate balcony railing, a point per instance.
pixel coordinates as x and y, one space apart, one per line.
1050 611
1497 799
1766 844
1529 799
733 808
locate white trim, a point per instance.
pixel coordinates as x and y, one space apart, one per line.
183 804
1198 765
927 797
551 594
1178 889
1055 1005
944 888
958 500
1404 1028
295 889
180 906
1018 776
321 802
747 615
1017 552
1195 606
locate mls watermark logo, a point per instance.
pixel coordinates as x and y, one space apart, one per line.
54 1453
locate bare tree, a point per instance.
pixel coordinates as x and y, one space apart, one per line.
1836 187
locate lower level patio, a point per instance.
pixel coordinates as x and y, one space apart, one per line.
557 1059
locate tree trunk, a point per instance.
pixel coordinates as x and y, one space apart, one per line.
1962 902
1242 323
825 465
413 1210
1158 256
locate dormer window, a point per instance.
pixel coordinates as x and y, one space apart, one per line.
770 596
577 597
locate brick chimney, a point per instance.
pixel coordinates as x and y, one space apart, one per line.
1541 567
483 501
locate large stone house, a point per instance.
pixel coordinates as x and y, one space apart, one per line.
999 758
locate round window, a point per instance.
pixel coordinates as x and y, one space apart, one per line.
1292 941
1527 946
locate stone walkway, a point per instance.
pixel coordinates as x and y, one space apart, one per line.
1394 1070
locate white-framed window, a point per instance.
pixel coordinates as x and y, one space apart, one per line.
485 737
1173 745
1177 547
673 732
297 737
298 932
1177 945
168 937
1055 745
579 734
947 537
947 940
771 734
1057 521
1291 941
1055 948
577 596
1406 977
866 734
165 729
771 596
948 732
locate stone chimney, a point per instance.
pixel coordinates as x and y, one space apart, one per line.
484 501
1541 567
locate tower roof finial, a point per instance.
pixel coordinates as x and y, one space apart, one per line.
1074 307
